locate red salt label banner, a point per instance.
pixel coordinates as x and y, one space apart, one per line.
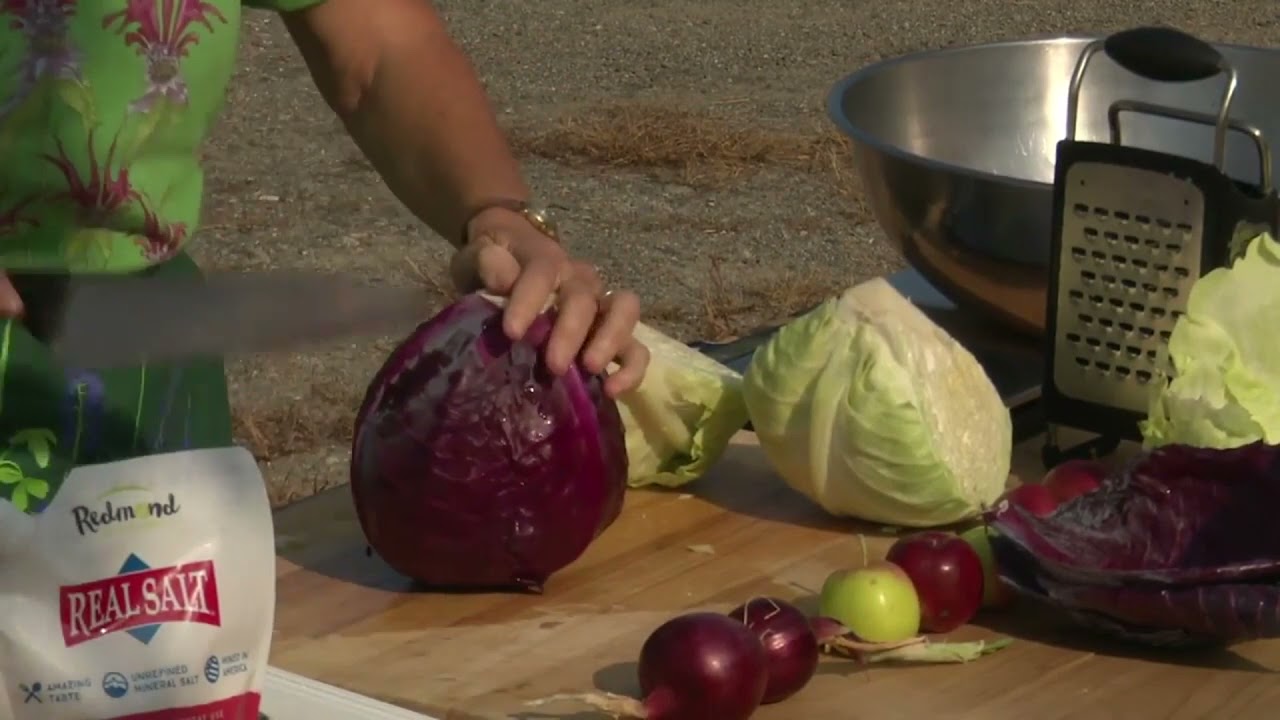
179 593
240 707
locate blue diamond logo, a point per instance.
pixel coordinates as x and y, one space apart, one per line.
143 634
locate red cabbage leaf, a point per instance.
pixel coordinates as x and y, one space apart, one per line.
1178 515
1177 548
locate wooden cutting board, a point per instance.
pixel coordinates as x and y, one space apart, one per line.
346 619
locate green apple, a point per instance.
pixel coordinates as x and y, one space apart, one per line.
877 602
995 594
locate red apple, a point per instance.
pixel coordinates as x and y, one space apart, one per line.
947 575
1074 478
1035 499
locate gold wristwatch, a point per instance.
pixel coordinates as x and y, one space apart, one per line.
537 215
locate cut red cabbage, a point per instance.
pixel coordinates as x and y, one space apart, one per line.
1175 549
1178 515
472 466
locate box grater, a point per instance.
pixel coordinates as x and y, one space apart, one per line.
1133 229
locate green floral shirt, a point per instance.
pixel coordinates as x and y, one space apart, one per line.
103 107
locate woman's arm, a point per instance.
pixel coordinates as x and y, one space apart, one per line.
415 107
413 103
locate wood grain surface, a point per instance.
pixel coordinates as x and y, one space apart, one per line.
344 618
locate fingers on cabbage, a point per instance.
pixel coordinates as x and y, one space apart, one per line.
871 410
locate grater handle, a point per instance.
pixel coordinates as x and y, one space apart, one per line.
1162 54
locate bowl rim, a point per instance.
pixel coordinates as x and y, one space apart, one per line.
838 91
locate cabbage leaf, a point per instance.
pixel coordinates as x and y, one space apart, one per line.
681 418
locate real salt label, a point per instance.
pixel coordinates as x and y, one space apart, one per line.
144 591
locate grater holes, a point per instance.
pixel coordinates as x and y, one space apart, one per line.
1182 272
1158 312
1102 365
1162 267
1150 287
1169 292
1146 332
1127 327
1173 248
1105 322
1119 260
1143 376
1133 351
1111 236
1153 244
1075 295
1089 275
1112 346
1093 342
1123 371
1141 264
1135 306
1163 224
1142 219
1151 355
1127 283
1099 255
1085 318
1101 213
1074 337
1123 215
1078 253
1082 362
1184 228
1165 335
1080 209
1091 233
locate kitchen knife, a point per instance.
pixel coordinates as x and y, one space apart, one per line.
99 321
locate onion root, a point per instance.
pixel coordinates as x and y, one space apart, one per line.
619 706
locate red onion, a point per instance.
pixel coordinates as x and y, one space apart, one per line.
790 645
693 667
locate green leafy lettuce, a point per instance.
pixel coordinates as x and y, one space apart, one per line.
1221 375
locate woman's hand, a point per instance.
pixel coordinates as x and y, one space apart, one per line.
10 301
506 255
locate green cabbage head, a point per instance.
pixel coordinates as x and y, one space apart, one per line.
1221 383
873 411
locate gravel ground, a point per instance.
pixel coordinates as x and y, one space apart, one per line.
708 248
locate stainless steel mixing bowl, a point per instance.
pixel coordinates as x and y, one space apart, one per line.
956 151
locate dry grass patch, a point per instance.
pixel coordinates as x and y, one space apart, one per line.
297 427
694 147
753 300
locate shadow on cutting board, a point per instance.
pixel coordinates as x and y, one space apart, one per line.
743 483
1035 622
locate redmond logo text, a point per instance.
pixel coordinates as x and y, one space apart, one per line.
139 600
92 519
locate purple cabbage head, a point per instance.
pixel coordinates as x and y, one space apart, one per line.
472 466
1179 547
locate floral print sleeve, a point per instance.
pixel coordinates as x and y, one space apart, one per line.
103 107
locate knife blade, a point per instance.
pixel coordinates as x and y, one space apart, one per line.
101 321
